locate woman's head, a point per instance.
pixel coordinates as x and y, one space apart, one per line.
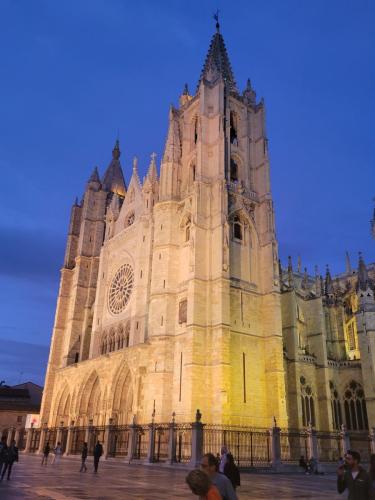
198 482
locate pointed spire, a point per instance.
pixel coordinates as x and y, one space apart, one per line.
152 173
217 62
348 267
305 281
317 282
363 281
373 224
116 153
94 177
185 96
249 93
113 179
328 282
135 170
172 152
76 204
299 264
290 272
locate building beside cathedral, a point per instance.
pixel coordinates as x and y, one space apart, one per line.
172 297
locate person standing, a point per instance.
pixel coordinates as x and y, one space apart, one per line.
232 472
353 477
209 465
3 452
303 464
11 457
46 451
98 452
83 458
57 452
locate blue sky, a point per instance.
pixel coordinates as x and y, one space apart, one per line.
72 73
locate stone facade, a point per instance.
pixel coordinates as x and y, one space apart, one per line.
171 295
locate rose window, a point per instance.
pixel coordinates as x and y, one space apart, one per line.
120 289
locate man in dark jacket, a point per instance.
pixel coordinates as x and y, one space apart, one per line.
353 477
98 452
3 452
10 458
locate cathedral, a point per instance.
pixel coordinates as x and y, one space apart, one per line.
172 296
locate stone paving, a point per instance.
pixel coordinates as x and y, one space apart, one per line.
116 480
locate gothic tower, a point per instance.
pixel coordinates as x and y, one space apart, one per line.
170 298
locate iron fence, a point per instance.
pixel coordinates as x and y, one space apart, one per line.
249 447
361 442
293 444
118 441
78 438
142 433
35 440
329 446
182 444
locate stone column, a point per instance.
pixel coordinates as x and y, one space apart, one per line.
10 435
59 433
196 441
151 443
132 441
172 442
43 434
275 448
107 438
345 439
69 439
17 435
88 432
29 435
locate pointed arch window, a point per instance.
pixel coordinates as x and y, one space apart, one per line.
196 130
355 407
237 228
308 405
233 170
127 335
233 128
335 408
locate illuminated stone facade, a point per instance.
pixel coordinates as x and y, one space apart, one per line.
171 299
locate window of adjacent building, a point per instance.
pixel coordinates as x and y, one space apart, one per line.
355 407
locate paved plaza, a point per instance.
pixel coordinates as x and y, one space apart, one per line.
116 480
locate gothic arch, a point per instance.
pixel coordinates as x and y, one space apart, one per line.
63 406
89 400
122 390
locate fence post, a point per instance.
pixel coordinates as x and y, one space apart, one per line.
196 441
69 438
151 443
29 435
43 434
345 439
275 448
132 440
172 441
107 438
312 441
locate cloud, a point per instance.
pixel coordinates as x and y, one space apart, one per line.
30 253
